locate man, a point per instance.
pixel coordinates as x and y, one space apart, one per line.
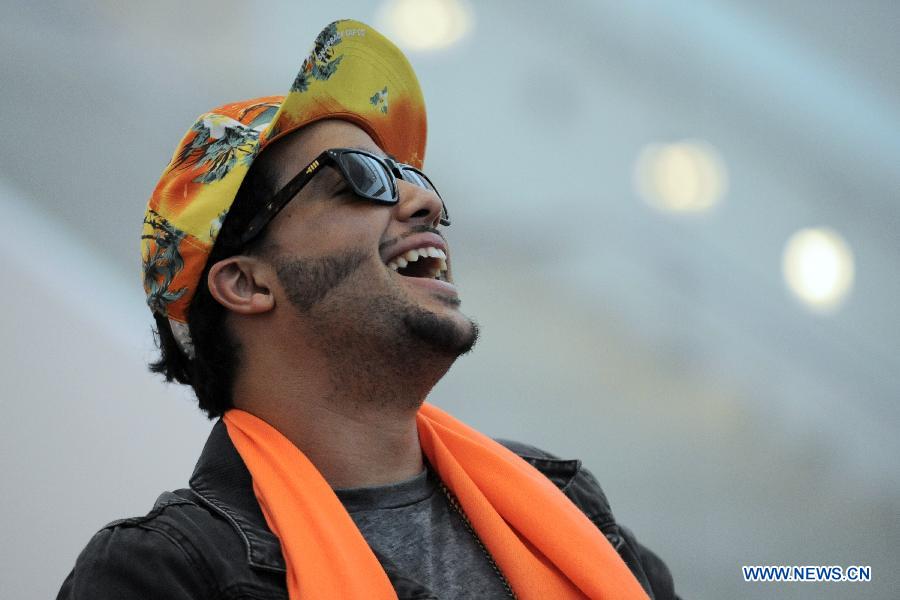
301 284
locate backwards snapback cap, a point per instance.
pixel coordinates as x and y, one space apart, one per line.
352 73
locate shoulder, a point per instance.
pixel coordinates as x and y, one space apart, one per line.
171 552
130 558
569 476
585 492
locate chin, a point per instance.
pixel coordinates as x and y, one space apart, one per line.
449 334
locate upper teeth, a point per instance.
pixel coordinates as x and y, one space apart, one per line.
413 255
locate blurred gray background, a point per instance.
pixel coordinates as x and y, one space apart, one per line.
625 180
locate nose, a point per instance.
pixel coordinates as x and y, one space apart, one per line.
417 205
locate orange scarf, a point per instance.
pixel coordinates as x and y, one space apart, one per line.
545 546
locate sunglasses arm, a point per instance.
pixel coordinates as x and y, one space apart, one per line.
283 196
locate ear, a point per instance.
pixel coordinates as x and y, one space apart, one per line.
239 284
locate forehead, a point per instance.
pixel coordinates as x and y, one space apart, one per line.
297 149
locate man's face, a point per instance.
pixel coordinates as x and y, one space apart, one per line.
340 259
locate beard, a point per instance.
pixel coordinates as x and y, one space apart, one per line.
313 288
308 281
440 334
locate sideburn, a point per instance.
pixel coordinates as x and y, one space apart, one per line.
309 280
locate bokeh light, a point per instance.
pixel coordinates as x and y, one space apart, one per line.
687 176
425 24
818 268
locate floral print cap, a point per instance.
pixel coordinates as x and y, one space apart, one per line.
352 73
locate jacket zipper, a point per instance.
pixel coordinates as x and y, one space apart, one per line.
456 506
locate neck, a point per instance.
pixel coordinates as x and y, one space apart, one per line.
354 417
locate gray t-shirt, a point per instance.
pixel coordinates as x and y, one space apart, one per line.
413 525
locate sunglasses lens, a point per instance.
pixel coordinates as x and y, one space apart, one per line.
368 177
416 178
371 178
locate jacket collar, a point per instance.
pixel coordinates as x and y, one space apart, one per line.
222 480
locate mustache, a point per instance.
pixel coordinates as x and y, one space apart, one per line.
412 231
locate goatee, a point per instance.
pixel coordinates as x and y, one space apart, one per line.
441 334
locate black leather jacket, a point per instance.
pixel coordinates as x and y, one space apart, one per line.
211 541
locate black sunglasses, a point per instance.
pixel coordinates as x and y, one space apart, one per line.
369 176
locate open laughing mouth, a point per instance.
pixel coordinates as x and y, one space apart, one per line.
426 261
422 259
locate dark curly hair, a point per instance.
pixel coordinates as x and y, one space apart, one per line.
217 354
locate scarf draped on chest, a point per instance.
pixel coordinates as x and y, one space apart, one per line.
545 546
